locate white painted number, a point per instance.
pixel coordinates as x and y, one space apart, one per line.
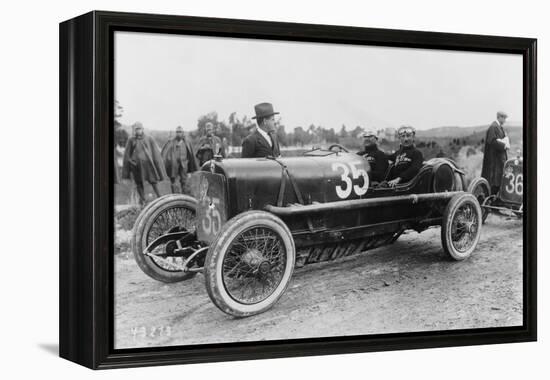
356 173
515 184
212 221
519 184
345 168
343 193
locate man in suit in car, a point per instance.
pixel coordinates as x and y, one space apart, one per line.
263 141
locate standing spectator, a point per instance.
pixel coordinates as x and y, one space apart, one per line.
119 156
209 145
494 154
121 138
263 141
179 160
143 161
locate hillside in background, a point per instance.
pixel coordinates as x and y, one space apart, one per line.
446 141
454 131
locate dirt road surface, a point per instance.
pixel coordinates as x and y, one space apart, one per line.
404 287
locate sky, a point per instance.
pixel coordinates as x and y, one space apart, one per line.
170 80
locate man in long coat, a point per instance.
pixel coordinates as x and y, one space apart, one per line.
263 141
179 160
494 154
209 145
142 161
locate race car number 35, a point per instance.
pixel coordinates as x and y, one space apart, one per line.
348 172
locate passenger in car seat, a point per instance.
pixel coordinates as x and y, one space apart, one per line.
377 159
407 160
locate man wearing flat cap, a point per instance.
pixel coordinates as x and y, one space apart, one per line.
179 160
209 145
407 160
494 154
143 161
377 159
263 141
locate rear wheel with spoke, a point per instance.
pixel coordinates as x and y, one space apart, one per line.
461 226
480 189
249 265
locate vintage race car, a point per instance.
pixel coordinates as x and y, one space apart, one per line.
252 221
509 199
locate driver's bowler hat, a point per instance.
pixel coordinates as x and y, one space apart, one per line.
264 110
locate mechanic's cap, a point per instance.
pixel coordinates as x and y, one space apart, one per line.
369 133
502 113
404 129
137 124
179 129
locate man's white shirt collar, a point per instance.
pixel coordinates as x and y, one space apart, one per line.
496 121
265 136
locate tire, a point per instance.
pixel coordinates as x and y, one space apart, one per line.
181 208
461 227
147 207
237 262
519 215
480 189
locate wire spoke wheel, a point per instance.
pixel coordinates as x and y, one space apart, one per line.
249 265
480 189
177 217
170 213
254 265
464 228
461 226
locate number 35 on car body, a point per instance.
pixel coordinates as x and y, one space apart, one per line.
349 173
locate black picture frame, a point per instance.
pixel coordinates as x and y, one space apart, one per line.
86 189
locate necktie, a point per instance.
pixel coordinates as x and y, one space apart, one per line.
274 144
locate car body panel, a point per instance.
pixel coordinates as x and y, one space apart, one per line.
322 177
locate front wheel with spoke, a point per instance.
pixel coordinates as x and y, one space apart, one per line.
249 265
461 227
170 213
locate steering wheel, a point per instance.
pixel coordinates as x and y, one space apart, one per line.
340 147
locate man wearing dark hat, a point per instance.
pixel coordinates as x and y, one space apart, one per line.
209 145
377 159
494 154
263 141
143 160
407 160
178 160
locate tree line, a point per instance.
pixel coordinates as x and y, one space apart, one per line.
235 129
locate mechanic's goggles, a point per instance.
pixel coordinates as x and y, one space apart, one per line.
406 133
